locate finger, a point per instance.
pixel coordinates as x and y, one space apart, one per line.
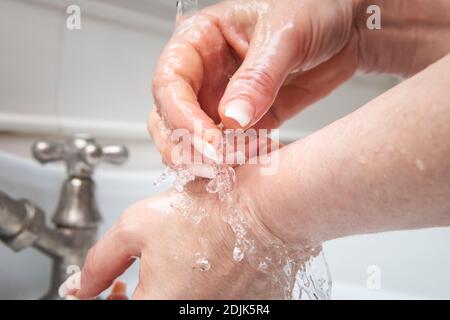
240 147
161 137
109 258
176 84
179 86
172 153
253 88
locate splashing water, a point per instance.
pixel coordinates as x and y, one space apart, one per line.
201 258
202 262
183 177
296 274
163 177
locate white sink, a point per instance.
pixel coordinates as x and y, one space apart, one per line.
413 264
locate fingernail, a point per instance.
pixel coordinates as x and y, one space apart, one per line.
70 286
210 152
239 110
205 148
202 170
214 137
235 158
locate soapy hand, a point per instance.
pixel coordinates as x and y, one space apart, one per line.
251 64
182 256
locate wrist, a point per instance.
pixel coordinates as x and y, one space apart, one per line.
274 206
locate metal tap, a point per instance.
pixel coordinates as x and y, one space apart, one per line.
76 218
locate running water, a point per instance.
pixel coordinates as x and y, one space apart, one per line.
296 273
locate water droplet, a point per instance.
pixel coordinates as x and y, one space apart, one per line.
182 203
197 216
238 255
362 160
202 262
163 177
264 264
420 165
292 272
182 178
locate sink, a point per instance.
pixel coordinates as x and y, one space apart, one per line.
410 264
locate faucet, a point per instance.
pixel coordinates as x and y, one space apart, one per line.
76 218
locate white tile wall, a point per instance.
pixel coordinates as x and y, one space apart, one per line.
95 80
29 64
106 76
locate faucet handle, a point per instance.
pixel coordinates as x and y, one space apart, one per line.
114 154
47 151
81 154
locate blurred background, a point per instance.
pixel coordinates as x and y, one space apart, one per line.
97 80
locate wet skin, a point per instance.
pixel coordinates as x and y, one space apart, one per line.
384 167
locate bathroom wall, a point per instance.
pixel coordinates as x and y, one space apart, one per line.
97 79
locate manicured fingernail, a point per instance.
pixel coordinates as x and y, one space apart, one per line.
239 110
70 286
210 152
202 170
235 158
205 148
214 137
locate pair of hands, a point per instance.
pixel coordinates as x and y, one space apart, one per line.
245 64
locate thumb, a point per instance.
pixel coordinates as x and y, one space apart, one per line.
254 86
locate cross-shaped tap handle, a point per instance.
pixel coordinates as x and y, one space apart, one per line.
80 153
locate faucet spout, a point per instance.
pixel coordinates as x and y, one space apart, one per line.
76 218
21 223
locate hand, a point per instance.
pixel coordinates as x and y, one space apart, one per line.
251 63
168 244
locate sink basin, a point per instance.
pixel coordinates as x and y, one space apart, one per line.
409 264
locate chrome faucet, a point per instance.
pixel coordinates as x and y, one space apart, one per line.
76 218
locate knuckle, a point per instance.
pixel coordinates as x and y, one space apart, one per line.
129 222
258 79
89 270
